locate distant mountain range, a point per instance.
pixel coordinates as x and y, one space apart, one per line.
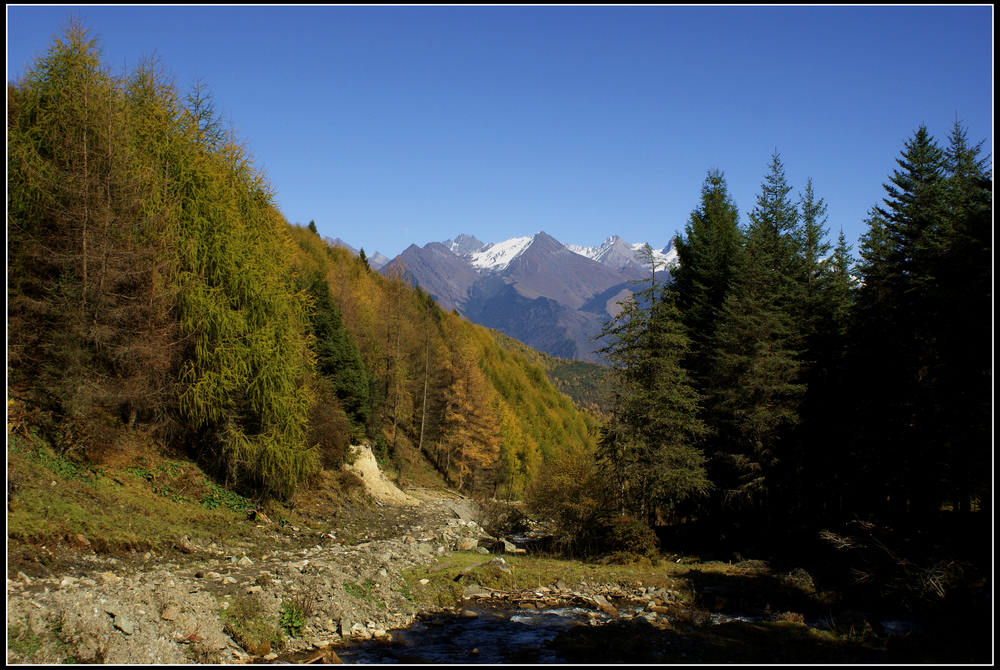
552 296
375 261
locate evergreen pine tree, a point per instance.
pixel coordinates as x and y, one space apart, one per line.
650 443
337 356
903 316
961 331
707 258
756 389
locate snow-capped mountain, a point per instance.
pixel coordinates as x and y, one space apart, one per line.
463 245
496 257
614 252
552 296
619 254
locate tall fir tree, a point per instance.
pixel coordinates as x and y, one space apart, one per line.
756 388
824 299
708 255
650 444
922 335
899 309
962 333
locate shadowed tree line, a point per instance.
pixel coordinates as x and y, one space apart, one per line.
776 382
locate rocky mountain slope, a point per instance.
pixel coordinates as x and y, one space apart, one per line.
553 296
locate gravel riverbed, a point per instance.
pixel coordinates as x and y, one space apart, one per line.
156 610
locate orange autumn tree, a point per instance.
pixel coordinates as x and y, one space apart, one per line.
470 443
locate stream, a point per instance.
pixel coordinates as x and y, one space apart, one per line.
496 635
491 635
478 635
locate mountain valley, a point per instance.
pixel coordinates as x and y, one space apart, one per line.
554 297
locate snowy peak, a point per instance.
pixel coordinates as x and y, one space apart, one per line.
618 254
614 252
496 257
464 245
669 255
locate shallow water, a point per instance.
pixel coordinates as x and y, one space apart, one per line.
505 635
493 636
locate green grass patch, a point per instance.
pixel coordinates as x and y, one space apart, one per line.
246 621
448 576
39 451
221 498
116 509
23 642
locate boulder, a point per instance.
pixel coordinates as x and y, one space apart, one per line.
473 590
499 563
605 606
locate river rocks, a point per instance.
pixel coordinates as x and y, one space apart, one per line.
124 624
605 606
323 655
168 613
475 590
501 546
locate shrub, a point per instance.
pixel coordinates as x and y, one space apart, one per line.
632 538
571 493
292 618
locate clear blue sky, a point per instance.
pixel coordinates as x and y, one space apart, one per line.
392 125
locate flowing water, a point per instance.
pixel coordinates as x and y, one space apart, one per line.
491 636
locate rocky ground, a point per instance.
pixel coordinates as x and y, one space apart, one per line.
154 610
363 569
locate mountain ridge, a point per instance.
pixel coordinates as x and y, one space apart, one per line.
552 296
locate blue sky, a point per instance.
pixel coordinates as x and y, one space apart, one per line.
398 125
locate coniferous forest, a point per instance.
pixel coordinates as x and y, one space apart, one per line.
779 389
776 378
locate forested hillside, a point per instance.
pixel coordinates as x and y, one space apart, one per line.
155 294
432 381
588 384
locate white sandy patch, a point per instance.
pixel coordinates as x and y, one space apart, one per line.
378 485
